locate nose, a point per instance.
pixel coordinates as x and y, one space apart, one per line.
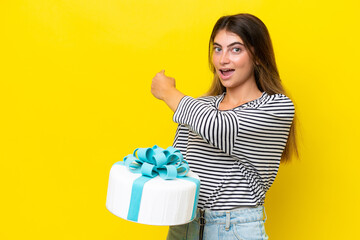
224 59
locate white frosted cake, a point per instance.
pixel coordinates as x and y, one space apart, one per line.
152 200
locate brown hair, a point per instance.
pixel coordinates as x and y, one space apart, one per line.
257 41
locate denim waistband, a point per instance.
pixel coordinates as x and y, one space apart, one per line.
237 215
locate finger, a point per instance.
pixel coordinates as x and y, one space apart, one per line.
160 73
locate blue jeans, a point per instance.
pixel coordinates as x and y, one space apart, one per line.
240 223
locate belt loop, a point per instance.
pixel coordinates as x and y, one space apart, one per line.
202 223
227 221
264 213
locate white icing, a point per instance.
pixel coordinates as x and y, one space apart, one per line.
163 202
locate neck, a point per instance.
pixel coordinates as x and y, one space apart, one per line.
242 94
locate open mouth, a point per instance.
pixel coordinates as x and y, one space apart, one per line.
227 72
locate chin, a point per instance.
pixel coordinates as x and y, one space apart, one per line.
226 83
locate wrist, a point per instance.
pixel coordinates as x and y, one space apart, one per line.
169 93
172 98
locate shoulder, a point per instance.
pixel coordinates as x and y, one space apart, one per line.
278 105
277 101
208 99
275 105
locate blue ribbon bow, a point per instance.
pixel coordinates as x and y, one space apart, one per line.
151 162
168 164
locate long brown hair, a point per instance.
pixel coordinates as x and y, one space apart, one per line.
257 41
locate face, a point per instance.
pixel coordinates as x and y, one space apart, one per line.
232 61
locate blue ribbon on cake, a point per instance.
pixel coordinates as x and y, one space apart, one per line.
151 162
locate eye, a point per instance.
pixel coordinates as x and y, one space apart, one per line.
217 49
236 50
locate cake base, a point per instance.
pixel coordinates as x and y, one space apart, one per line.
163 202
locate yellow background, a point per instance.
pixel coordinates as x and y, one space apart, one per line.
75 98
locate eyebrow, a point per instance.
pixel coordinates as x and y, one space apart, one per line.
231 44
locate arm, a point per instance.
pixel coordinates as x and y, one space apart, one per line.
163 88
217 128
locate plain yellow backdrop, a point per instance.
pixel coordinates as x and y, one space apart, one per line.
75 98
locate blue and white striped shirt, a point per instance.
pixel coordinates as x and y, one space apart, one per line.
235 152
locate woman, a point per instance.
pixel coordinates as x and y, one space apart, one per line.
235 137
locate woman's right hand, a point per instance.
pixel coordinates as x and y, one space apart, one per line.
163 88
162 85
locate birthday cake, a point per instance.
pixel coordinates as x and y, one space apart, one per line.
153 186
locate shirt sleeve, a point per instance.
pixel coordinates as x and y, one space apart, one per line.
280 109
264 129
218 128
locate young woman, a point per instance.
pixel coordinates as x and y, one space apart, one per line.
235 137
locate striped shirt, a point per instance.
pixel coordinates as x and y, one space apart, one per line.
235 152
